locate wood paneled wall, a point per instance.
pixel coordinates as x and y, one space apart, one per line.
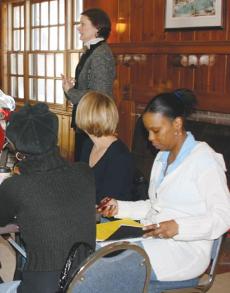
137 82
145 34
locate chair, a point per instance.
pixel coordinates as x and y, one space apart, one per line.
197 285
117 267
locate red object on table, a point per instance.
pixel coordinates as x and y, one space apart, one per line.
4 117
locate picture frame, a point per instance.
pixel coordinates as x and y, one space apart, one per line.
193 14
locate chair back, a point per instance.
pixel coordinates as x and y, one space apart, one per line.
117 267
211 271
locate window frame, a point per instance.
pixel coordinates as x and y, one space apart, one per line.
68 50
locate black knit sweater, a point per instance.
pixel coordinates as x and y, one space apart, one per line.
54 203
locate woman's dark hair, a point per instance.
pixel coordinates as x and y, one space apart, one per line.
100 20
179 103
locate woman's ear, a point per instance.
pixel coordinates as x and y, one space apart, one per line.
178 125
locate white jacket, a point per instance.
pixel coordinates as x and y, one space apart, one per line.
196 196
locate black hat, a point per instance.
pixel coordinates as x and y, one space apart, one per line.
33 129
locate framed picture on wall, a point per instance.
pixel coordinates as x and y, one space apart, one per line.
193 14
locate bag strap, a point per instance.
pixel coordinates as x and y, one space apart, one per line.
77 254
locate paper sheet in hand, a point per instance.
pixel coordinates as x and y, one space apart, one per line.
120 229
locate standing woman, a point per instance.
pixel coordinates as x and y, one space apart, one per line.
96 68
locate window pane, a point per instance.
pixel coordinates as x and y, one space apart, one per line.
22 16
35 14
61 11
16 19
44 13
32 64
16 40
50 90
53 38
22 40
74 61
13 64
78 8
50 65
32 90
41 64
13 86
41 90
61 38
59 65
21 88
44 38
76 39
35 39
59 92
20 64
53 12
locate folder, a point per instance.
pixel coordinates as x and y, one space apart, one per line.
119 230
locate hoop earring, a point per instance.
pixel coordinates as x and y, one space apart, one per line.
19 156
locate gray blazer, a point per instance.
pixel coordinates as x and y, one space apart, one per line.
98 73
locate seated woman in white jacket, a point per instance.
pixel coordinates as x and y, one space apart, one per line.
189 201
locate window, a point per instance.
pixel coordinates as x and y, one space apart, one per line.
43 44
76 17
48 25
16 58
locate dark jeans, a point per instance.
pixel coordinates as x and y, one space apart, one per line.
39 282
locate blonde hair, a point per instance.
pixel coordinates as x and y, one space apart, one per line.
97 114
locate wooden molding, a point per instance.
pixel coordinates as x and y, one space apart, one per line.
165 47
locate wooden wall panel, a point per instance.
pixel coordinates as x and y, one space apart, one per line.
227 74
66 136
218 75
148 21
123 12
136 17
146 35
127 118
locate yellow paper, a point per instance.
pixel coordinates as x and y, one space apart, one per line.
105 230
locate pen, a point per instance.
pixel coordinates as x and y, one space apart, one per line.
103 203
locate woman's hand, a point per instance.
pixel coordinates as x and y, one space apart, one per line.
10 228
67 83
108 207
166 229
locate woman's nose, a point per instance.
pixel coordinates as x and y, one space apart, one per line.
151 136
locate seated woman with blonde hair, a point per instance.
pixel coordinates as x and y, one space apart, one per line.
107 155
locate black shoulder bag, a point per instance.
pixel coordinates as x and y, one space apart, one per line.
78 253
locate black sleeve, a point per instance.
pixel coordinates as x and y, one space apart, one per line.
7 206
118 177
